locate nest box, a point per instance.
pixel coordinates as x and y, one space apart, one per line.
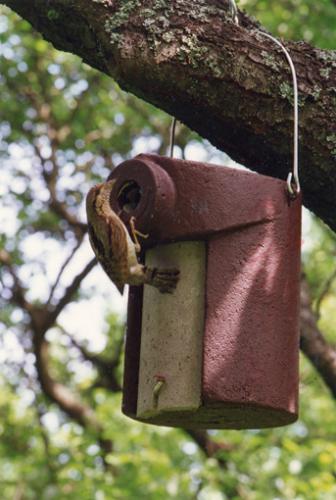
222 350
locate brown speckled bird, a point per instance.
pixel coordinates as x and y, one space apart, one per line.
114 248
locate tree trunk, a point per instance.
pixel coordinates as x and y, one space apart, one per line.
229 83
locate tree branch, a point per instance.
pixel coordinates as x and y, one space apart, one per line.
227 82
321 354
209 447
17 289
64 398
61 270
44 113
57 392
106 367
58 207
212 449
70 291
41 318
46 443
324 292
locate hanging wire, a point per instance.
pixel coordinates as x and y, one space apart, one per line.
234 11
293 182
172 137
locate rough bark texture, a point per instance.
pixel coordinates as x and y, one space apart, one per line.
227 82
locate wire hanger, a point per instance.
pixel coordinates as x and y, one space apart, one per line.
293 182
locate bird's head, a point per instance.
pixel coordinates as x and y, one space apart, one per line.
98 198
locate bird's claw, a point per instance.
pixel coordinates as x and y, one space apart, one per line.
135 234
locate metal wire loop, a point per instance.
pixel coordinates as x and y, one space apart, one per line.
293 182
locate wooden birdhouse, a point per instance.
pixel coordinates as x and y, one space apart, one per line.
222 350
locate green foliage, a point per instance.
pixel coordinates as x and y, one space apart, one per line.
55 109
313 22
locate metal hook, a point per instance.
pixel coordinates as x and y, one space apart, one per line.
293 182
234 12
293 187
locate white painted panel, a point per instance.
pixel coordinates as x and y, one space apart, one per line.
172 333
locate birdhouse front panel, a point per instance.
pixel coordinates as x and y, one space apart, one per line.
172 334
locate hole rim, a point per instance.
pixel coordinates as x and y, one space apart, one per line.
129 187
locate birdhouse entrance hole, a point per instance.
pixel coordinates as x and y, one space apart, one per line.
129 196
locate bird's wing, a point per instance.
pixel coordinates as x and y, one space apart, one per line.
119 252
118 241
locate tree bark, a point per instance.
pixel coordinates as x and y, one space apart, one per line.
227 82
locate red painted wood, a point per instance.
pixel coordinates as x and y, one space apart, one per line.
251 333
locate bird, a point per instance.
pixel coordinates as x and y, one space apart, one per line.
114 248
